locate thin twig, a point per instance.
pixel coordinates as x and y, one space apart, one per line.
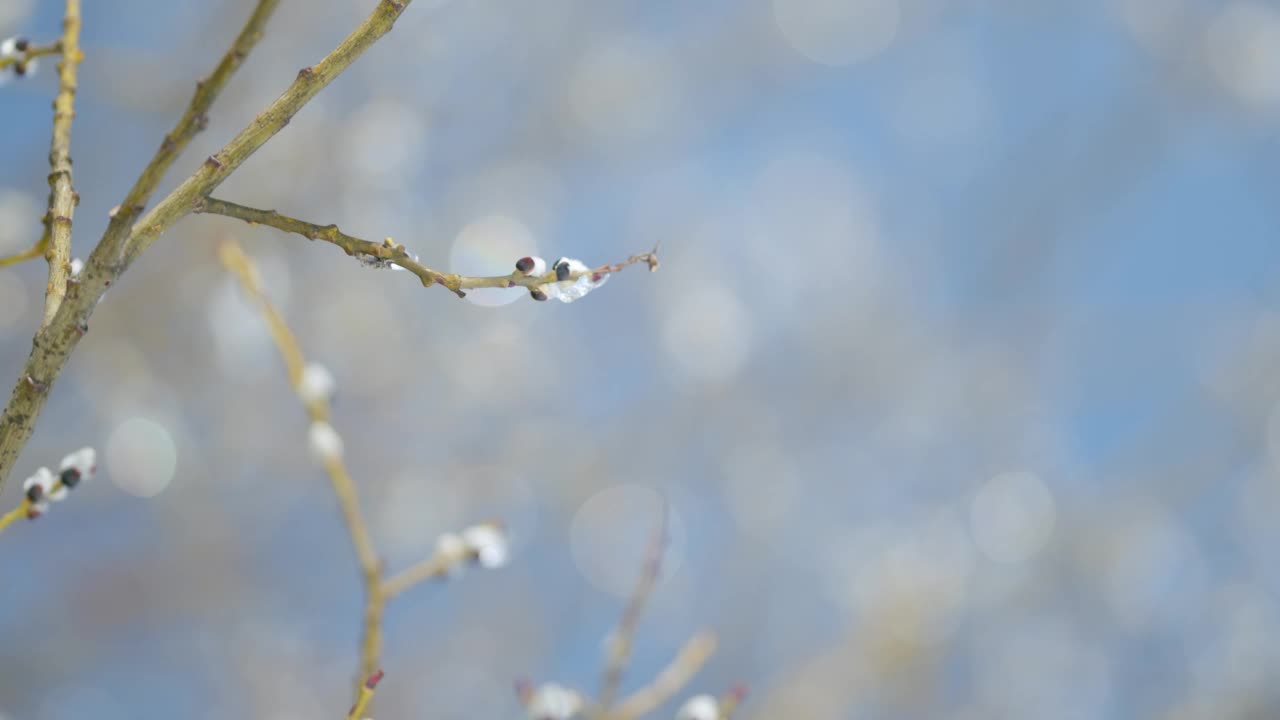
24 508
30 253
730 701
395 254
31 53
62 196
432 567
670 681
623 638
194 120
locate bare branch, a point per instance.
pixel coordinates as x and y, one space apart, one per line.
219 166
193 120
62 196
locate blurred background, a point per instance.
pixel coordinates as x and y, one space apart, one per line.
961 374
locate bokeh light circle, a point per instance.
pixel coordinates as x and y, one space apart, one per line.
490 245
612 532
837 32
141 457
1012 516
707 336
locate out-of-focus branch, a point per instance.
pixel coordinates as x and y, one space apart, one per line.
15 514
620 643
364 695
730 701
62 196
193 121
432 567
553 700
24 508
394 254
670 681
483 543
115 252
343 486
30 253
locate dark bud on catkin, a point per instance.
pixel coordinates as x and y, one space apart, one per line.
21 44
562 271
34 493
70 477
524 264
537 294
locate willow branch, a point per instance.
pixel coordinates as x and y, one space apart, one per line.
62 196
219 166
31 53
393 254
193 121
624 637
671 680
114 253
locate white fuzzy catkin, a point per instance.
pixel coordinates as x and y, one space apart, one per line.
699 707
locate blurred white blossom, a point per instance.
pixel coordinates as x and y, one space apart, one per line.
324 441
699 707
554 702
316 384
